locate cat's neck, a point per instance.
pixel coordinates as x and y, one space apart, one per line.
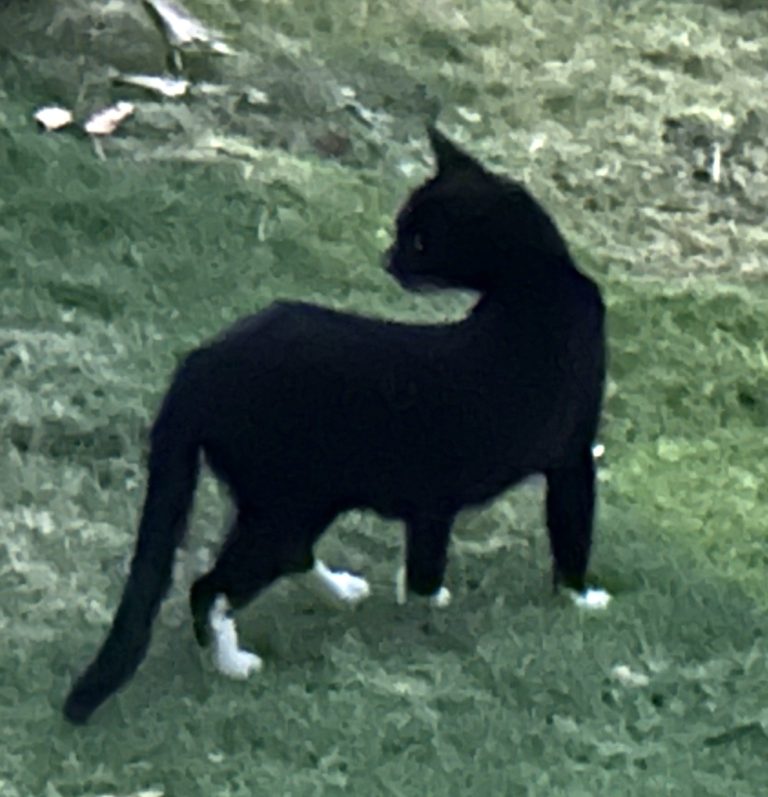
524 290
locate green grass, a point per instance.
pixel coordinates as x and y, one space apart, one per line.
109 270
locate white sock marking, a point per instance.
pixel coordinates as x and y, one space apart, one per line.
338 585
228 658
439 600
590 599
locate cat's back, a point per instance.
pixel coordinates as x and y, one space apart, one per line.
290 349
291 334
283 322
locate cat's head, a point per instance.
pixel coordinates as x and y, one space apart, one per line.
469 228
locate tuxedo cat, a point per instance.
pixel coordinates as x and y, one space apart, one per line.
304 412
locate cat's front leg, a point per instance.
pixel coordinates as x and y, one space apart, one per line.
426 556
570 514
440 599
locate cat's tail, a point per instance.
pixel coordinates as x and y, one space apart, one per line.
173 471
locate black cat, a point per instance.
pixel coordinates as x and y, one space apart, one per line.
304 412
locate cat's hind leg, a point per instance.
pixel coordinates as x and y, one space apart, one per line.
229 658
570 512
426 556
339 587
254 555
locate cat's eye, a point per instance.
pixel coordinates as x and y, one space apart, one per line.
418 243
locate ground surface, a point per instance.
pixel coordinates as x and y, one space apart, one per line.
283 181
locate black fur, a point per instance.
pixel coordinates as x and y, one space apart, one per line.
304 412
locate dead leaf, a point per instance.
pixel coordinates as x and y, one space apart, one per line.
168 87
181 29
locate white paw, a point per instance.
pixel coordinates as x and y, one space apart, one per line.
338 585
238 664
441 599
228 658
591 599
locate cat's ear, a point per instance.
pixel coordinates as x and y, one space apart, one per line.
449 157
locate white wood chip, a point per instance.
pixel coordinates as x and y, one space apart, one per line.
53 117
104 123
